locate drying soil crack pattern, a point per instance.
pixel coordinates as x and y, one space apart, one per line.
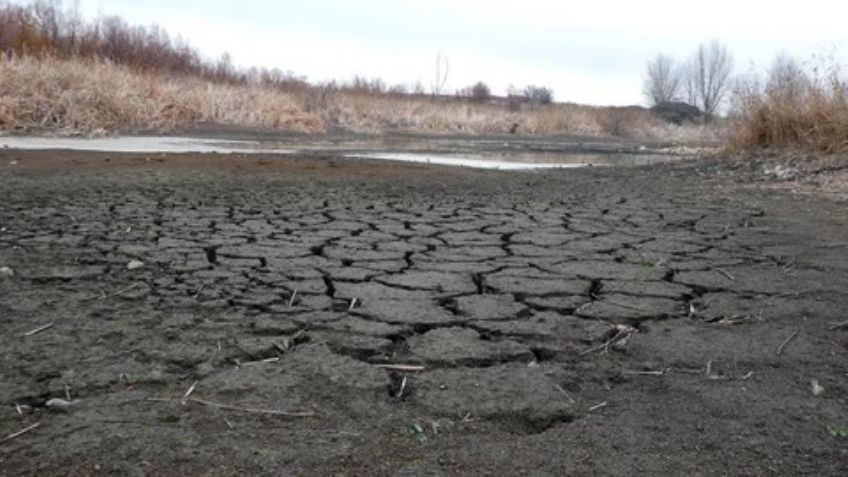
350 301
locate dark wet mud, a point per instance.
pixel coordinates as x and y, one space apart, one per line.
202 315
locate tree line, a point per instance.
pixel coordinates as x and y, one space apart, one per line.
702 81
45 28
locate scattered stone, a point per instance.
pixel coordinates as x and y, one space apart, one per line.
135 265
6 272
59 404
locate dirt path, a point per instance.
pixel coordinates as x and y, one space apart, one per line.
656 321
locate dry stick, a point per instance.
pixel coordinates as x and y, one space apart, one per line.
570 399
786 341
725 273
122 290
598 406
402 388
612 340
643 373
15 435
199 291
228 407
292 299
38 330
188 393
402 368
352 304
837 326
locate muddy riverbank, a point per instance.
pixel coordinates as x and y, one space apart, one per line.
218 315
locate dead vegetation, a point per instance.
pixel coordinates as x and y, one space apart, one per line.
62 74
89 96
801 108
95 97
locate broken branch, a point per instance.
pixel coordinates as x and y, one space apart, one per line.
227 407
786 341
15 435
402 368
38 330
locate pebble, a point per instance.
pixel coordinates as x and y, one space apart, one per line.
135 265
59 404
7 272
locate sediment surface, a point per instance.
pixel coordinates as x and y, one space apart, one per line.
333 317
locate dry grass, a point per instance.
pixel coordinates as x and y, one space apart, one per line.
794 110
95 97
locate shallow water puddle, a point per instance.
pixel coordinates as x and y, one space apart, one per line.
481 162
508 160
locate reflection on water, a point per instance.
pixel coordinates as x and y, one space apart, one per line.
476 153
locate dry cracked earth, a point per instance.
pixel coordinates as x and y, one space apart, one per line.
232 316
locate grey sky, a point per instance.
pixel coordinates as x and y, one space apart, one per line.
588 51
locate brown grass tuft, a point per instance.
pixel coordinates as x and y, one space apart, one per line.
89 97
793 109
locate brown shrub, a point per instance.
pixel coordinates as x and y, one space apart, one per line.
793 109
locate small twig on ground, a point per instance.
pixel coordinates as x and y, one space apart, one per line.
567 396
68 393
622 333
199 291
188 393
15 435
402 388
644 373
838 326
725 273
38 330
747 376
122 290
598 406
402 368
292 299
261 361
352 304
227 407
786 341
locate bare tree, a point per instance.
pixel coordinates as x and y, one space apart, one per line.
538 94
662 80
708 77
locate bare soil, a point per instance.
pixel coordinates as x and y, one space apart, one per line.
659 320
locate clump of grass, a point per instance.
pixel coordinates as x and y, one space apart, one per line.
90 96
796 108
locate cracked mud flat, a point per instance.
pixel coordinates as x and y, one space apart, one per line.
657 320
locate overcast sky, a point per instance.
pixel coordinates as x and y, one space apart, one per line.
589 52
